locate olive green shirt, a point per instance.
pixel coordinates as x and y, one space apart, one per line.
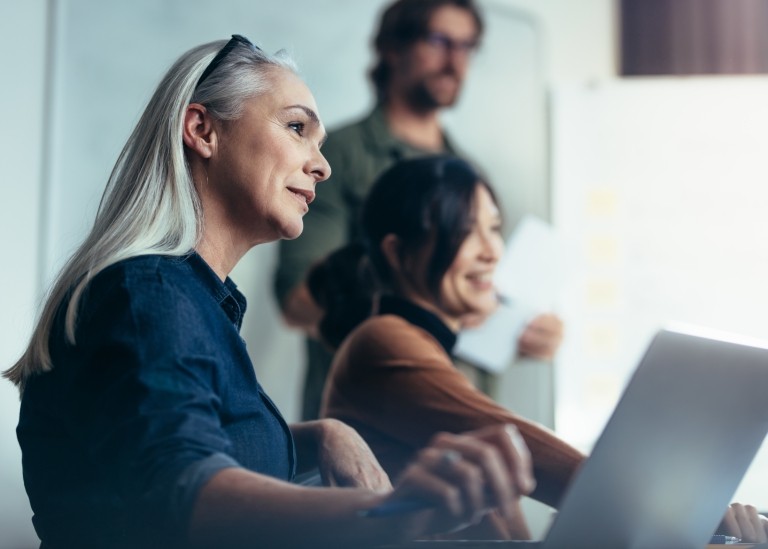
358 153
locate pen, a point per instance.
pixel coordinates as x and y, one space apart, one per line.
401 507
391 508
719 539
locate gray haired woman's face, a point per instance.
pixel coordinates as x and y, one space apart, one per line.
266 164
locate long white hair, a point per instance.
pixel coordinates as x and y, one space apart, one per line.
150 205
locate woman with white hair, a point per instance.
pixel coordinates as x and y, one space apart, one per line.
142 422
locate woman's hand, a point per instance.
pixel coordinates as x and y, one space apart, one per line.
462 477
743 521
344 459
339 453
541 337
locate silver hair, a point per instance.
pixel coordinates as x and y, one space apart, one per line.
150 204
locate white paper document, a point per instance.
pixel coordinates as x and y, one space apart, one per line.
529 278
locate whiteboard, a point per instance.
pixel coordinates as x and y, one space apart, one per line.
660 191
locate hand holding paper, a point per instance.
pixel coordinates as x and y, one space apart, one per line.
541 337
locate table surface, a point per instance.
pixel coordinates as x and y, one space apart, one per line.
491 544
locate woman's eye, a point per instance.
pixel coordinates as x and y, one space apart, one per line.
496 228
298 127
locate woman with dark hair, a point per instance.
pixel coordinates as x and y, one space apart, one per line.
431 238
430 242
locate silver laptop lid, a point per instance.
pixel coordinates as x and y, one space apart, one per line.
670 458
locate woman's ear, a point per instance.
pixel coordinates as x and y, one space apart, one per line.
198 132
405 279
390 248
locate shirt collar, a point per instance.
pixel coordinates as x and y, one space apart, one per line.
226 294
381 138
418 316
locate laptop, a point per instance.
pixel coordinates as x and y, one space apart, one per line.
671 457
668 462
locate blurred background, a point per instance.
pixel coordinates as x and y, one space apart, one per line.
635 127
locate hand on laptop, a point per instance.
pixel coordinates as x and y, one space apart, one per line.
460 478
743 521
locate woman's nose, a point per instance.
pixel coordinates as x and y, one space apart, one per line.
320 168
491 249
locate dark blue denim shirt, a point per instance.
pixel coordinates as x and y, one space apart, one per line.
156 396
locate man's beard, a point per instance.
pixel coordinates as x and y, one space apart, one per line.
422 99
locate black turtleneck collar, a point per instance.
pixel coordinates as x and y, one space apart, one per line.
391 305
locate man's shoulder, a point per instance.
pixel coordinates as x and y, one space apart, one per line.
353 127
346 131
351 136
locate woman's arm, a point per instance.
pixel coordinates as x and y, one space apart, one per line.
391 374
239 508
460 476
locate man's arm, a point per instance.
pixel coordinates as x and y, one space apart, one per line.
300 311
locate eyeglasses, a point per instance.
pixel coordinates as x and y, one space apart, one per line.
446 44
223 52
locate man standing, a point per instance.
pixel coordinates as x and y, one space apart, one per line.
424 48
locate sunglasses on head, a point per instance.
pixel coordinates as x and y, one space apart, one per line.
223 52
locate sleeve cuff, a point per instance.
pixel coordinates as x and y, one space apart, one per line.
192 480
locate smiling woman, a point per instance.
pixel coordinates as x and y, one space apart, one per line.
394 304
142 423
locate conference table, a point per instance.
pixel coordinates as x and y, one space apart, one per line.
493 544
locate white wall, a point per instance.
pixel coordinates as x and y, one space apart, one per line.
22 54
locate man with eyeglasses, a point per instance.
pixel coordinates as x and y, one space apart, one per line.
424 48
